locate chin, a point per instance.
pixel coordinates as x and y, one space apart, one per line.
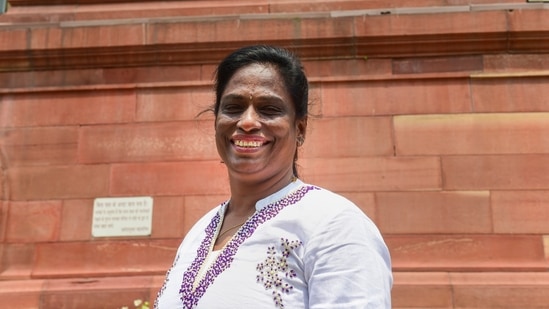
248 171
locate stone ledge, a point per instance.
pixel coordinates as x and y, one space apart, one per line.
471 290
106 292
419 253
410 290
83 80
188 11
468 252
179 41
63 2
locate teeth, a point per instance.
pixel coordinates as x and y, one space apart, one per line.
250 144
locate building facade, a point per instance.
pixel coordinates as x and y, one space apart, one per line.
431 115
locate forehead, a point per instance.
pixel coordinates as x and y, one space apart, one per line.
255 78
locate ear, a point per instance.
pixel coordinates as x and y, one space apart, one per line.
301 127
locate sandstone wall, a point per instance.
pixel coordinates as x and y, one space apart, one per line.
432 115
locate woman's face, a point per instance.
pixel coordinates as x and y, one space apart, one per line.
256 129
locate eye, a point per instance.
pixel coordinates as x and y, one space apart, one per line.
231 108
271 110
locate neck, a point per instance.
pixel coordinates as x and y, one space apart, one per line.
245 194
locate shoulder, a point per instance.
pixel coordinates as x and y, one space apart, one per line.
333 217
324 203
324 213
340 237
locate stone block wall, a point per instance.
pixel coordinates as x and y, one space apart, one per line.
433 116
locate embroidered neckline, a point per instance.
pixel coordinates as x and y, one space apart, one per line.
191 292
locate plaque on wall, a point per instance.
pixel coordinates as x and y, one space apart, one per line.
122 216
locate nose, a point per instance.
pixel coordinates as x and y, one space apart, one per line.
249 121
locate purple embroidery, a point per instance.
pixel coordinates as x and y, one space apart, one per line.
189 297
271 269
163 288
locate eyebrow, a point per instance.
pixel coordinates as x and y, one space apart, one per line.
239 97
233 96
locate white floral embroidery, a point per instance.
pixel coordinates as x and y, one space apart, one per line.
275 268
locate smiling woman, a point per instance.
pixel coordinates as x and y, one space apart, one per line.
257 138
277 242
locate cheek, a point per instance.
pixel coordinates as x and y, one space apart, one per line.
287 128
223 128
286 134
221 124
218 129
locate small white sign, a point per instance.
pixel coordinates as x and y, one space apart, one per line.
122 216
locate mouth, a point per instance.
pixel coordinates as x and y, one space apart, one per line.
249 144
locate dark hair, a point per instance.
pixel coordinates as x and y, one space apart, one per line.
286 63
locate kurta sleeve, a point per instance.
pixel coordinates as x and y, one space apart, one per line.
347 264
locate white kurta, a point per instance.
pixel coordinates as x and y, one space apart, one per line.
305 247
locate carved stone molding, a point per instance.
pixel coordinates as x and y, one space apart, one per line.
203 40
